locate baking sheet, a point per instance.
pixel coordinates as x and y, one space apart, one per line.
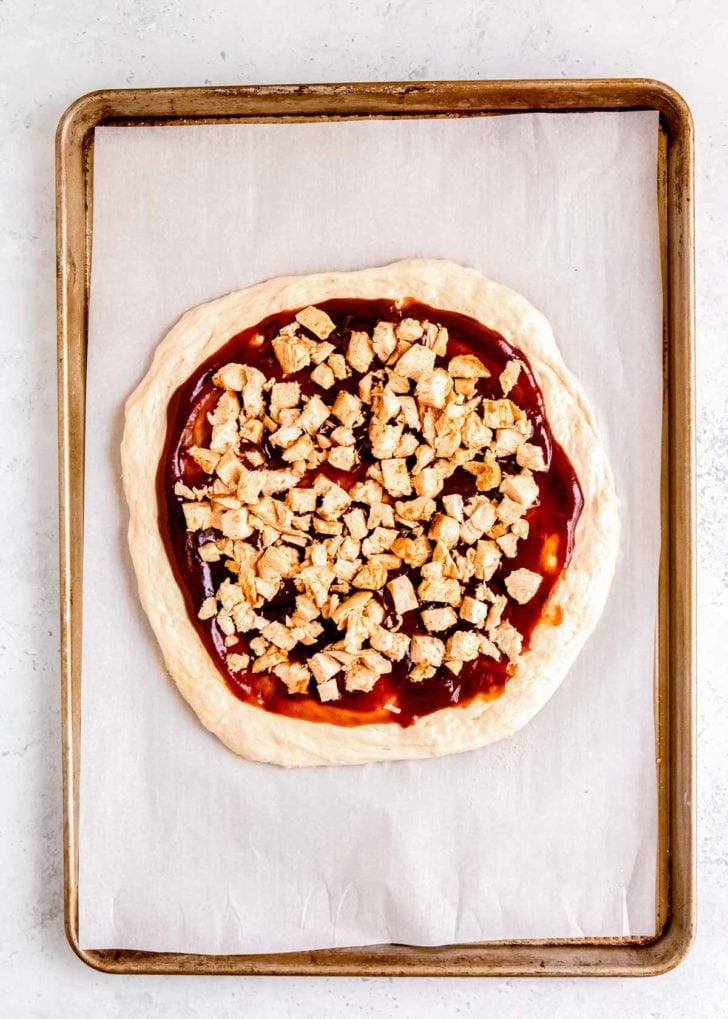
550 834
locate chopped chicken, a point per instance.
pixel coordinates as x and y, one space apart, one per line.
473 611
207 459
384 340
396 477
371 577
295 675
198 515
316 321
393 645
521 488
403 595
323 376
509 376
347 408
463 646
328 691
467 366
426 650
415 361
508 640
437 620
359 351
522 585
530 457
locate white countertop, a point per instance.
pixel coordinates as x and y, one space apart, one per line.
52 54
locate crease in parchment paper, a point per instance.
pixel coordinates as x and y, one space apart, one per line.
552 833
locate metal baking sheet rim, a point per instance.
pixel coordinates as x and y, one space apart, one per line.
675 652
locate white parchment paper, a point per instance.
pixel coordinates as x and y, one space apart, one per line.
552 833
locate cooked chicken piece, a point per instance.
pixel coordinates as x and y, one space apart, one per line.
487 647
454 506
208 609
520 528
444 529
328 691
412 551
383 340
284 395
347 408
224 436
463 646
210 553
433 388
409 329
403 595
301 500
323 666
393 645
437 620
415 361
475 434
509 511
418 673
353 605
429 482
321 351
313 414
507 638
440 589
371 577
316 321
522 585
486 560
337 364
467 366
396 477
234 524
530 457
334 503
359 351
384 439
356 522
521 488
359 677
415 510
509 376
323 376
406 445
293 355
299 450
295 675
495 612
236 663
380 515
507 442
380 540
499 413
252 431
285 436
426 650
342 458
230 376
465 387
280 636
198 515
207 459
473 611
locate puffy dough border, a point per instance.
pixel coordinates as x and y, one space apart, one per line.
581 592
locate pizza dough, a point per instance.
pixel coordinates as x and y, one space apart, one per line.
575 602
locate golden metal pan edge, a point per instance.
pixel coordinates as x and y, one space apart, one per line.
674 679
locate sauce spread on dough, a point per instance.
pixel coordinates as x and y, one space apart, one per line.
546 550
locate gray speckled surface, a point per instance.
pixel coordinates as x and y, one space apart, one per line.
53 53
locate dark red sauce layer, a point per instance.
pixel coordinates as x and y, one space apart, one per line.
547 549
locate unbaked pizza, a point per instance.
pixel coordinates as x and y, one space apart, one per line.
370 515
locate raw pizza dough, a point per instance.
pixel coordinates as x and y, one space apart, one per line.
580 592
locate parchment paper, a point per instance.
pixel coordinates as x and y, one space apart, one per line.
552 833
